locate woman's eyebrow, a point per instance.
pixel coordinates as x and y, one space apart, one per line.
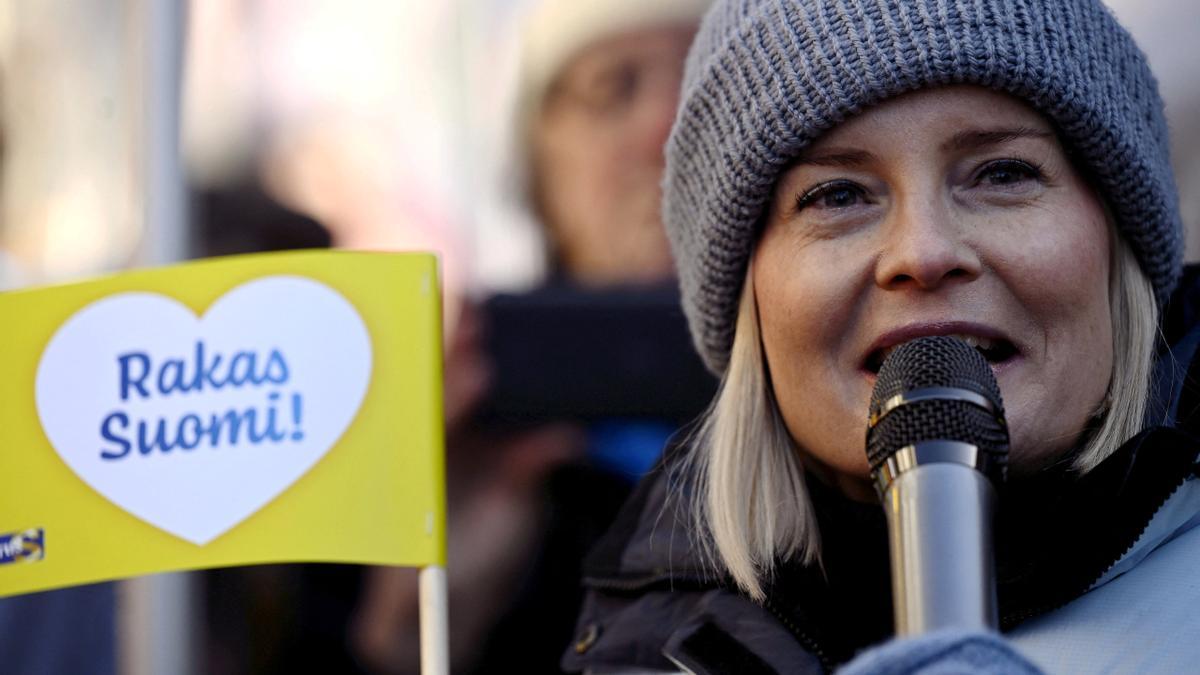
973 139
839 157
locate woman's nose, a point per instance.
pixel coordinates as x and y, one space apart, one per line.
655 115
925 248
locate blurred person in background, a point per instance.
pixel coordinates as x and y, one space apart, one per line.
598 92
598 87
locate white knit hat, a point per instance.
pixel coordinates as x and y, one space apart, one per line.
554 31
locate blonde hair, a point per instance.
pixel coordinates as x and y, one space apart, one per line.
747 502
1134 311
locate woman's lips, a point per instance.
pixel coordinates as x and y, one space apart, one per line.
1000 352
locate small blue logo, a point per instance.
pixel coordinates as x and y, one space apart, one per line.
27 546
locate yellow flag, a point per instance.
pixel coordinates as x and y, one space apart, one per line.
263 408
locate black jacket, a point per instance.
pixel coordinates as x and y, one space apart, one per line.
651 604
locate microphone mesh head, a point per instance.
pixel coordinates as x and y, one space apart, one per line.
937 362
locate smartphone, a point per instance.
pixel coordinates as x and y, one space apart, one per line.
562 352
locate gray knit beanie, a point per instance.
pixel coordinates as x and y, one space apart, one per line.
766 77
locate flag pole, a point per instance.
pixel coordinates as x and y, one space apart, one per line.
157 614
435 625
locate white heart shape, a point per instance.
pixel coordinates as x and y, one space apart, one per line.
200 492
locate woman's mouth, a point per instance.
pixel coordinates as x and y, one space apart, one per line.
997 351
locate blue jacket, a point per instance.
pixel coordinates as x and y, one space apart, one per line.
1096 574
1142 615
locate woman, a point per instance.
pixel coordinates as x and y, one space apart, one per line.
596 91
843 177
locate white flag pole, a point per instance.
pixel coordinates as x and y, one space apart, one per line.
435 624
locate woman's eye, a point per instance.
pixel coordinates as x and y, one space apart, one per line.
832 195
1007 172
618 86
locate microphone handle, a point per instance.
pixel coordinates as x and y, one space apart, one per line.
940 537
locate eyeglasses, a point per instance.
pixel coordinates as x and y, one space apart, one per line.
610 87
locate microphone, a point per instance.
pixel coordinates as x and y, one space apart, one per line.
937 443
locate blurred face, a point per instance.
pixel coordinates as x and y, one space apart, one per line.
944 212
598 155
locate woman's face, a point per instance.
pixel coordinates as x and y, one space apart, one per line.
598 155
952 211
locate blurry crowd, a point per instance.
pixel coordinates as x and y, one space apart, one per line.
588 104
591 100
